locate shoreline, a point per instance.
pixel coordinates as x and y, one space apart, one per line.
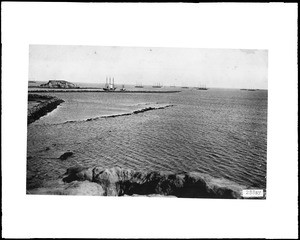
46 105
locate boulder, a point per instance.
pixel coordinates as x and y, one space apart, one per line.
66 155
78 174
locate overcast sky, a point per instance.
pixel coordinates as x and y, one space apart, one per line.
169 66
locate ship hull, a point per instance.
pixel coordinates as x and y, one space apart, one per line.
109 89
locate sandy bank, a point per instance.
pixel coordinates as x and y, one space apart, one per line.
42 105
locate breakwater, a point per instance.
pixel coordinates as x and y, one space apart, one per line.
142 110
47 104
131 113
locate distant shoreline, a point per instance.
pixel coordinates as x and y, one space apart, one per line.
95 90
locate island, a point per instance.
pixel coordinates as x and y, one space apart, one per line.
59 84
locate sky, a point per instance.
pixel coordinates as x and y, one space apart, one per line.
192 67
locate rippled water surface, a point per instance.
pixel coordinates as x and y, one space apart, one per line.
219 132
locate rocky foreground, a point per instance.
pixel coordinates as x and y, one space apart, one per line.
46 104
123 182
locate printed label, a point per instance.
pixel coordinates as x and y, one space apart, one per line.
250 193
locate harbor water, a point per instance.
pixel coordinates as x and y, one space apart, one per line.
219 132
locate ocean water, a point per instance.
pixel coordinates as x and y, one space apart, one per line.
220 132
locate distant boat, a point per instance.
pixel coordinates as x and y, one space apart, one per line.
158 85
248 89
109 85
202 87
139 85
183 85
123 88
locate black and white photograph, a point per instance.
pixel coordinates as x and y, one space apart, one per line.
126 121
149 120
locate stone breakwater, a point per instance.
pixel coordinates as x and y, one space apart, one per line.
127 182
157 107
47 104
134 112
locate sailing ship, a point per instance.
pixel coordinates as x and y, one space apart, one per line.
157 85
139 85
109 85
249 89
184 86
202 87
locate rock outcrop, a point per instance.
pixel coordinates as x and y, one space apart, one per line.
123 182
59 84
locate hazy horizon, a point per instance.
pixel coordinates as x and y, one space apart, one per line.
191 67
